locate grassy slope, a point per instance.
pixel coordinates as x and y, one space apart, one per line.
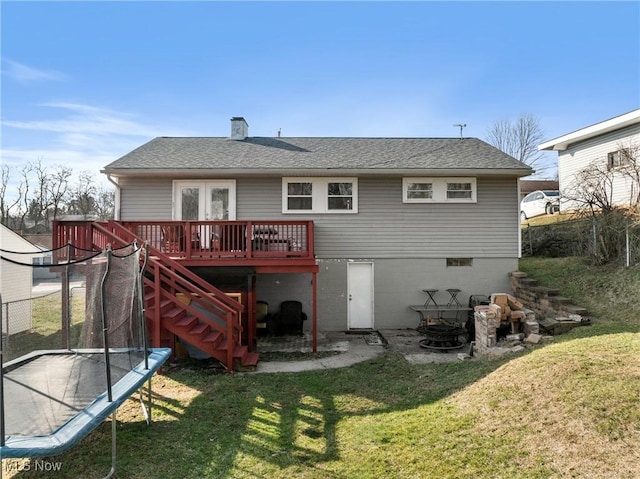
609 293
566 409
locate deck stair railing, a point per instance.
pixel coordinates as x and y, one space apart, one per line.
178 302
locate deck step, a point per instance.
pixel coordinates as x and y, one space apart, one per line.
187 321
247 363
174 313
199 329
251 359
212 337
165 305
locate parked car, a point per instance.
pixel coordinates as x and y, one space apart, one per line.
540 202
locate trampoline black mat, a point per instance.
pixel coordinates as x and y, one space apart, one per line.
43 392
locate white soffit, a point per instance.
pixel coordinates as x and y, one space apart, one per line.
562 142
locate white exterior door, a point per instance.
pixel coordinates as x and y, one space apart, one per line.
204 200
360 295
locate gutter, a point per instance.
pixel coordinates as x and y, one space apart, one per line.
359 172
116 209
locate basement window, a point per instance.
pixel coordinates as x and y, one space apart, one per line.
452 262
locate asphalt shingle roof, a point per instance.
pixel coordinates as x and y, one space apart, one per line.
314 153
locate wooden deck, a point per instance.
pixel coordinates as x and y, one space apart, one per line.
275 245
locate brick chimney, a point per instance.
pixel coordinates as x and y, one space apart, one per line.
239 128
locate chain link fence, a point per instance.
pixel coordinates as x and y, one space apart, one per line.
603 240
36 322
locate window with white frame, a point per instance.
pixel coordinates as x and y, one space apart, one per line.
419 190
300 196
319 195
439 190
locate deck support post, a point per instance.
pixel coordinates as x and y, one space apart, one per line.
314 310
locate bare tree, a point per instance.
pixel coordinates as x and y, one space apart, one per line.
5 208
59 189
105 204
41 201
629 167
82 196
592 189
519 139
22 200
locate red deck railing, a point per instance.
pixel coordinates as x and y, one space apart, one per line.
208 240
197 240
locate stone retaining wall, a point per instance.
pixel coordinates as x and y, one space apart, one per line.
543 301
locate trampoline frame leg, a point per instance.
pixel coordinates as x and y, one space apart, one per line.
113 445
146 409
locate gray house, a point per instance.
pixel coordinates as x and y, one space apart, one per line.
390 216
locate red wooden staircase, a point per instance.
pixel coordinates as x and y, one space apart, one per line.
178 303
199 321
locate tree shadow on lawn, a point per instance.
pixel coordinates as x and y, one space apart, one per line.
266 422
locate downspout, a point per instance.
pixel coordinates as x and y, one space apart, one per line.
1 383
519 220
116 209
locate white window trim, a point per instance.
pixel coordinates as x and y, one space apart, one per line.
439 189
320 194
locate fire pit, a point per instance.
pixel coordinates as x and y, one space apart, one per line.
442 337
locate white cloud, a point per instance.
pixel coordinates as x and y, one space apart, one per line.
25 74
87 120
83 138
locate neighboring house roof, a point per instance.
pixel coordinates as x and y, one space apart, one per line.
528 186
311 155
12 241
563 142
42 241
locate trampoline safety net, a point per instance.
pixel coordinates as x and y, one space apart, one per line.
71 329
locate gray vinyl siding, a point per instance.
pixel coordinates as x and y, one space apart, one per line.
384 226
145 199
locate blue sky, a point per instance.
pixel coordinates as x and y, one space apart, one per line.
85 82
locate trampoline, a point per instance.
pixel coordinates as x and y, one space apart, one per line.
53 398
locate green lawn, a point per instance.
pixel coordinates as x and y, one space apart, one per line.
569 408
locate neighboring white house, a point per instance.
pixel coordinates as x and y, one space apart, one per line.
16 281
612 145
